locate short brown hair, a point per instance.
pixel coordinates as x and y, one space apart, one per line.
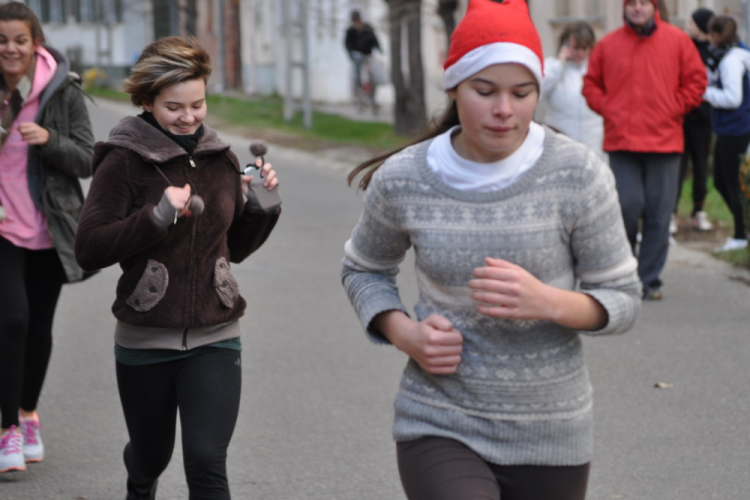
581 32
166 62
16 11
726 28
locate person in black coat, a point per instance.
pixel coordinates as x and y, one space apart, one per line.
360 41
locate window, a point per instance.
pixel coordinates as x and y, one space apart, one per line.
36 6
85 13
89 11
48 11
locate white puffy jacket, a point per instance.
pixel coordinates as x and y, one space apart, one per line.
564 108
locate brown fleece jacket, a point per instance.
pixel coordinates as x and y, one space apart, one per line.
176 276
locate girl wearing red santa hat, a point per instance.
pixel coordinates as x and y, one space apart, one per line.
519 249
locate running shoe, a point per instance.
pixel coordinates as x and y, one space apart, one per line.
652 293
673 226
33 448
11 451
732 244
700 222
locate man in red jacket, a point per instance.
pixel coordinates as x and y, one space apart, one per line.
643 78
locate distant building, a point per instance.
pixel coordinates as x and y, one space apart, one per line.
108 34
247 39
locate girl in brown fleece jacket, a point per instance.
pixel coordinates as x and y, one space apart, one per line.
177 338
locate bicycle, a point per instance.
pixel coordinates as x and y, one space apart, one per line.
363 86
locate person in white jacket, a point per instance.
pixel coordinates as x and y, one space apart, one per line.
729 94
564 107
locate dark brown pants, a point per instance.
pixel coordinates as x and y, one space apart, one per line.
434 468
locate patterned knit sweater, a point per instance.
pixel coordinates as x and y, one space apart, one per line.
521 394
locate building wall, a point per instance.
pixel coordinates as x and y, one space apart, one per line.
247 39
121 42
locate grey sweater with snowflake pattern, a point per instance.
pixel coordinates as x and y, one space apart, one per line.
521 394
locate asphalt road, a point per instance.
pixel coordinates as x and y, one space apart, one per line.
317 396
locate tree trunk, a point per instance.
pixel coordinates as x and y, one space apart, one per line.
446 9
410 111
191 15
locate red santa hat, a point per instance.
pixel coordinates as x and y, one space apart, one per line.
655 2
493 32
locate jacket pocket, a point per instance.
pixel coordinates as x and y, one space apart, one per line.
226 286
150 288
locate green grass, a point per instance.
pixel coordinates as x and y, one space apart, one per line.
720 216
266 113
714 206
739 258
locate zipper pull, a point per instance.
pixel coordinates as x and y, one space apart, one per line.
192 163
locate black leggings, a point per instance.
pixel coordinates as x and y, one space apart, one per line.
30 283
698 134
727 161
206 389
435 468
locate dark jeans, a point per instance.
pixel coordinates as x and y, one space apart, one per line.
727 176
647 188
30 284
698 134
206 390
436 468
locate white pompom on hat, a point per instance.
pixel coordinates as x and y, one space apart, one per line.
493 32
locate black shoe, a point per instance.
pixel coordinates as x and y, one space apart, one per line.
651 293
147 492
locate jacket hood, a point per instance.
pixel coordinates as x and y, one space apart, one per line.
139 136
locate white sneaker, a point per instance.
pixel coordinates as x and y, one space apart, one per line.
732 244
11 451
33 448
700 222
673 225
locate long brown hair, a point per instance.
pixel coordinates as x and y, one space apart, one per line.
581 32
446 121
726 29
16 11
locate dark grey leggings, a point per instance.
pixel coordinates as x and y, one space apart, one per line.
436 468
206 390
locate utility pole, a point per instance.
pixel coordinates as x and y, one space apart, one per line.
297 61
102 23
222 46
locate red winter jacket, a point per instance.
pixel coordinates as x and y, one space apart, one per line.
644 86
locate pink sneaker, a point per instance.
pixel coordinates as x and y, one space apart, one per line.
33 448
11 451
